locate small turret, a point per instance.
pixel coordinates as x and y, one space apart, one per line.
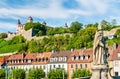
18 21
44 23
66 25
30 19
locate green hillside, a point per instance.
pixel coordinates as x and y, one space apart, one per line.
82 36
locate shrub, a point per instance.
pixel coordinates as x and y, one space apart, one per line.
81 73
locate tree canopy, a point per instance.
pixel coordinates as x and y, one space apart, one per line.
57 74
37 73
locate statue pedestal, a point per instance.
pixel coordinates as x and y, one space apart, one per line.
100 72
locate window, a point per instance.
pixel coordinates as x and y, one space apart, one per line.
59 66
54 66
116 73
60 58
77 57
62 66
50 67
39 60
86 57
29 61
51 59
76 66
116 63
43 67
80 65
85 65
55 59
71 65
74 57
81 58
64 58
118 54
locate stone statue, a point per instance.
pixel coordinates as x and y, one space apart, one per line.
100 68
99 49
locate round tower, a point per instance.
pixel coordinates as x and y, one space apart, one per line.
30 19
18 26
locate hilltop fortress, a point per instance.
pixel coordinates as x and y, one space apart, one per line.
29 34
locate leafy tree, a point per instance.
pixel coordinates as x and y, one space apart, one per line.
36 73
105 25
2 74
117 33
113 22
75 26
3 35
17 74
17 39
81 73
57 74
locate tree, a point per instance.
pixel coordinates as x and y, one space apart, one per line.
57 74
36 73
113 22
3 35
117 33
2 74
81 73
17 74
75 26
105 25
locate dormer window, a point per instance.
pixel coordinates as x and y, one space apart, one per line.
64 58
39 60
86 57
43 59
29 61
81 58
77 57
51 59
46 59
18 61
119 54
60 58
55 59
72 58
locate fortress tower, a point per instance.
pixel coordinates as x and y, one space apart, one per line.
30 19
20 27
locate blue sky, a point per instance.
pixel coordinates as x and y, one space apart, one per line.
57 12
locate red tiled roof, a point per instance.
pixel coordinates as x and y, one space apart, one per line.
30 56
60 54
43 55
16 57
115 55
81 52
111 52
2 60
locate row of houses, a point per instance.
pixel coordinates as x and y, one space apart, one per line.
69 60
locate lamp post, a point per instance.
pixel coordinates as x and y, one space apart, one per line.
63 73
6 71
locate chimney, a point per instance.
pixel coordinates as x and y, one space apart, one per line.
115 46
23 55
53 51
72 49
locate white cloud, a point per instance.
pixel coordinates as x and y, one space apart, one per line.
94 6
54 9
6 25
